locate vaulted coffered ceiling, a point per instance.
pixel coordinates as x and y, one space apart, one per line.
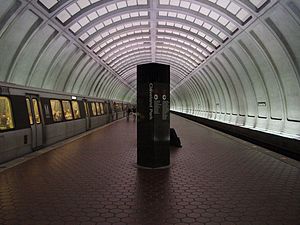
236 61
125 33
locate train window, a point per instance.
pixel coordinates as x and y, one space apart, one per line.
6 119
36 111
94 111
56 110
102 108
29 111
98 108
76 110
106 108
86 109
67 110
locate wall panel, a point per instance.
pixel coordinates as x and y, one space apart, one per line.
29 57
87 78
63 77
80 77
36 51
256 76
46 61
11 44
58 65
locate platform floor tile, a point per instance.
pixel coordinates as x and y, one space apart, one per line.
213 180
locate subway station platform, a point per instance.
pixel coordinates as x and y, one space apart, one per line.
214 179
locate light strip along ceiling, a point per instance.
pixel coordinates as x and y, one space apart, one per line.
181 33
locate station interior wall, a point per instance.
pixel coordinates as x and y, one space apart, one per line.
36 53
253 81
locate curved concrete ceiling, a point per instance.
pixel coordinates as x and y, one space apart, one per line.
125 33
237 61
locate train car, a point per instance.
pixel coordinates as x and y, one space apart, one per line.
32 118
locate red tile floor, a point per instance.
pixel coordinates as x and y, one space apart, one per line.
214 179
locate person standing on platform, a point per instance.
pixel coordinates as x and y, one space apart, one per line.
134 113
128 113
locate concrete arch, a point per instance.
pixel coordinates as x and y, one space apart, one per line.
254 72
242 70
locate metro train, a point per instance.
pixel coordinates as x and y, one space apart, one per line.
31 118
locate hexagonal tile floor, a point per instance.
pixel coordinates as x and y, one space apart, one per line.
214 179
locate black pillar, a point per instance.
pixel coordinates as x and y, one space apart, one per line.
153 108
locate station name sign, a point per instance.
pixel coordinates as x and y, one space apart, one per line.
150 101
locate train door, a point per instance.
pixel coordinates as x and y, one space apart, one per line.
34 112
87 117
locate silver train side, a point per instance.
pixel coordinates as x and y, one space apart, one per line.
28 135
